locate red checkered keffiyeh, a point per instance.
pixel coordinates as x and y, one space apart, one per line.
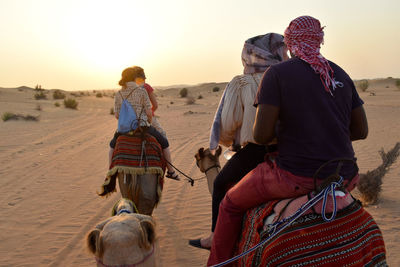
303 37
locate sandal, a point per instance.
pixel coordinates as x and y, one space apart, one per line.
172 175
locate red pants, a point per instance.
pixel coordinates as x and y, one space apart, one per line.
264 183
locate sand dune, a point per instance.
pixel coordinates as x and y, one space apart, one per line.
50 171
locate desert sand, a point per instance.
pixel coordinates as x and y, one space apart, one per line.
50 170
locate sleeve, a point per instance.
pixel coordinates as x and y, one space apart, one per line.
356 101
146 100
117 103
216 125
232 112
148 88
269 90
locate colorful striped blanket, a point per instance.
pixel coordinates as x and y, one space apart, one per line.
135 155
351 239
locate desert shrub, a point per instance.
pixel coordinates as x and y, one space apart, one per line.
99 95
7 116
112 111
172 102
38 87
190 100
215 89
12 116
40 95
38 107
183 92
57 104
82 93
200 97
363 85
398 83
70 103
57 94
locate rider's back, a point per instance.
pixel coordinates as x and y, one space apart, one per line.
314 126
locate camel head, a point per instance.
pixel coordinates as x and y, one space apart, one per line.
123 239
206 160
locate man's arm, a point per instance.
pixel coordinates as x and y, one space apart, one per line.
264 125
153 101
358 124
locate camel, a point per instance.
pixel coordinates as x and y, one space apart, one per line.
209 164
138 165
125 239
141 189
289 245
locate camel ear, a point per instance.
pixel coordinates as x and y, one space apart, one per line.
93 242
201 152
218 152
148 234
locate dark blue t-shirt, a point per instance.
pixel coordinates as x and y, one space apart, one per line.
313 126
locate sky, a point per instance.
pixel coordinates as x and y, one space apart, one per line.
85 44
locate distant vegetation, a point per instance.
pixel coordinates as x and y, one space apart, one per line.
215 89
99 95
57 94
57 104
200 97
362 85
38 107
12 116
70 103
112 111
183 92
40 95
38 87
398 83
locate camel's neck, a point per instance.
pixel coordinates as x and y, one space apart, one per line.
213 172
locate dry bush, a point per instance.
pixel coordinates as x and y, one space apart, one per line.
7 116
371 182
362 85
70 103
12 116
38 107
190 100
99 95
76 94
200 97
215 89
57 94
112 111
183 92
57 104
40 95
398 83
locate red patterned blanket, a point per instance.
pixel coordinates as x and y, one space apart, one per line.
135 155
351 239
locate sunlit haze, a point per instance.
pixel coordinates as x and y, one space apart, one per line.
85 44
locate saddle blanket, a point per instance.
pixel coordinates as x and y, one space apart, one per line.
351 239
135 155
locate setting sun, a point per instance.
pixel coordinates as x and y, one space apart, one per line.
85 44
